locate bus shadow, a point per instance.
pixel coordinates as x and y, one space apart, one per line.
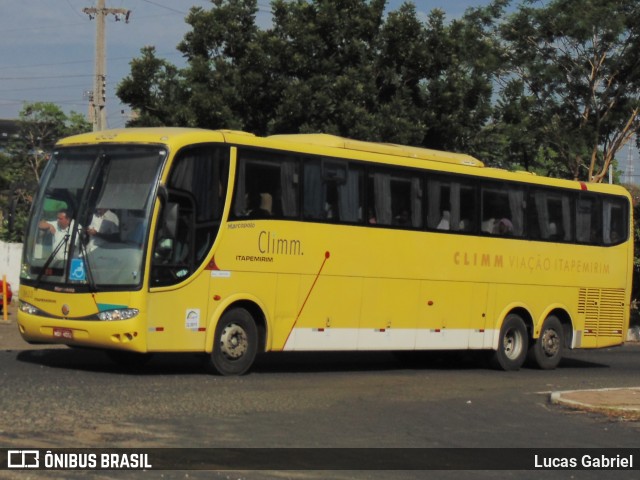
576 363
283 362
277 362
92 360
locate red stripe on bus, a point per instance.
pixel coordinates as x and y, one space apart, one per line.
326 257
212 265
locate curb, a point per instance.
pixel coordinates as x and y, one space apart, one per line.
622 400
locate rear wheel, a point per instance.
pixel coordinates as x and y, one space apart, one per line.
235 343
548 348
512 347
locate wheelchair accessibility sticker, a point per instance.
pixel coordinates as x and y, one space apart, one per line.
78 273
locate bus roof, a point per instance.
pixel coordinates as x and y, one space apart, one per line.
159 135
164 135
325 140
176 137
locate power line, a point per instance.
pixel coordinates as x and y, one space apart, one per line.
44 77
39 28
165 7
77 62
74 9
49 87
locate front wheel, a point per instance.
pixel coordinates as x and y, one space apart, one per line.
235 343
512 347
547 350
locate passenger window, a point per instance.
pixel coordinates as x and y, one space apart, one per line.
395 199
192 213
332 191
451 205
550 215
503 208
266 186
589 220
614 221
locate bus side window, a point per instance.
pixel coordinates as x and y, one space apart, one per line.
266 186
406 195
614 217
551 215
332 191
589 220
451 205
503 210
197 188
395 198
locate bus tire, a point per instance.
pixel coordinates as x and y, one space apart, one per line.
235 343
512 346
546 352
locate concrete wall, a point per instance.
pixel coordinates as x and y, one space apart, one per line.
10 257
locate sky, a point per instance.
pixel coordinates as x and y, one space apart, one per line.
47 49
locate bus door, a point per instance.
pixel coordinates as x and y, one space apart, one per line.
177 309
191 211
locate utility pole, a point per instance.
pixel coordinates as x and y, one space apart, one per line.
98 98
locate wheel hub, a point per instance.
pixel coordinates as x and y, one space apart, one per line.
512 344
550 343
233 341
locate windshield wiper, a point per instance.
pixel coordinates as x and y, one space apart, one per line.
85 256
50 258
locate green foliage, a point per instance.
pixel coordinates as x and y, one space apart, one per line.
155 88
575 65
343 67
40 126
548 87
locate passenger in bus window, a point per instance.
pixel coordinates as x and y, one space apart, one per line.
402 219
615 237
60 231
135 231
503 227
444 221
489 225
260 205
103 229
465 225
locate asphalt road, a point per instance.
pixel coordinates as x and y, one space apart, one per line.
77 398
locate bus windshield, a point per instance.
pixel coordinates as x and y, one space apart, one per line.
90 219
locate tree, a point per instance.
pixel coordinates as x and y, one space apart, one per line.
339 67
40 126
567 74
460 79
324 60
155 91
220 50
576 67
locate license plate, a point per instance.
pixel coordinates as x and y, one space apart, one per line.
63 333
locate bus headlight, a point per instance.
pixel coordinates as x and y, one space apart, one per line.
28 308
118 314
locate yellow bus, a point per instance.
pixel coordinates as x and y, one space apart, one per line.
229 244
